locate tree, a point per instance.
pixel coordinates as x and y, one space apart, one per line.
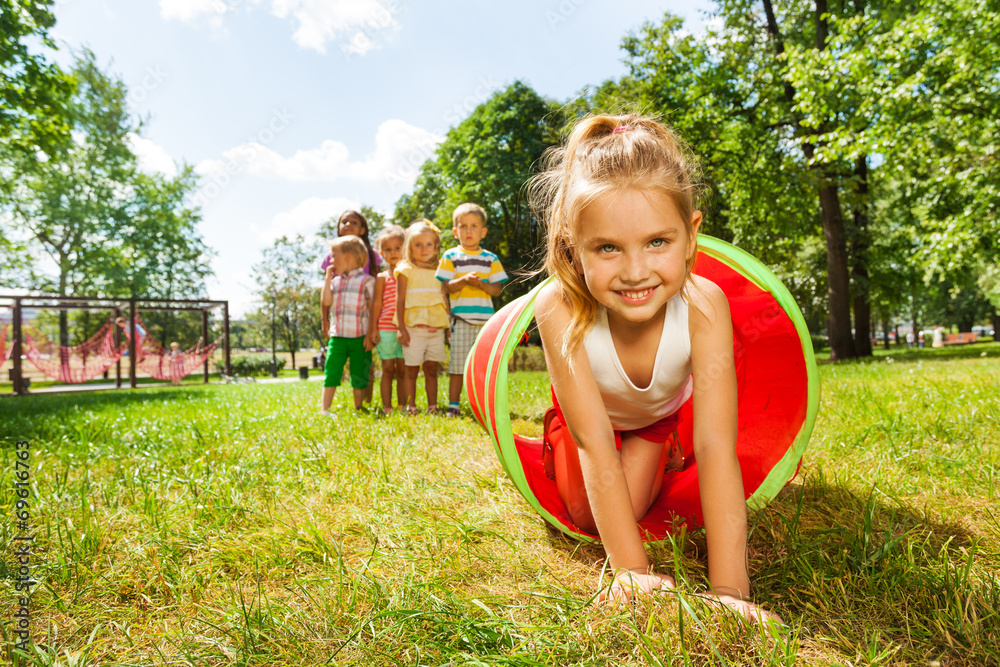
33 91
717 94
108 228
486 159
288 297
921 81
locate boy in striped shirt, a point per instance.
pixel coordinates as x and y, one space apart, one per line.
471 276
350 296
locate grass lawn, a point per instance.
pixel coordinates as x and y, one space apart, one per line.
232 525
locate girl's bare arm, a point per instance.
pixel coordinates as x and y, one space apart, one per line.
403 335
377 308
325 300
720 481
590 427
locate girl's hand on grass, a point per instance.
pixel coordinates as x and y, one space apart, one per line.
748 610
629 585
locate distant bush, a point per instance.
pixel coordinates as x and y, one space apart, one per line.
819 342
250 365
527 358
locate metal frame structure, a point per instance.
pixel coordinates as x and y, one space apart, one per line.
118 306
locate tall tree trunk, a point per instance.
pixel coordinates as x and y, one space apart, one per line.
996 324
859 254
885 334
838 281
838 285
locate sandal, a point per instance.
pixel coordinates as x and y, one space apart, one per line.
675 454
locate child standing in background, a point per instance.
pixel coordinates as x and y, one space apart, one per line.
421 313
470 276
385 333
176 363
353 223
348 294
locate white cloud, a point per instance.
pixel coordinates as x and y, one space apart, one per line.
306 217
152 156
358 25
400 149
191 11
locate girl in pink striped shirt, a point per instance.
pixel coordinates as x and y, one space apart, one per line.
390 245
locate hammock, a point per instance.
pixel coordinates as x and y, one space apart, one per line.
164 364
778 397
76 364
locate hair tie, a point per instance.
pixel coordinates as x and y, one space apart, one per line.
622 128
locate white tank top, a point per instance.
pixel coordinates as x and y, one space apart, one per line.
628 406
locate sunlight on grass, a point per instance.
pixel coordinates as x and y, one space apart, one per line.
233 525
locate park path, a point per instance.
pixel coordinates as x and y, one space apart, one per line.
104 386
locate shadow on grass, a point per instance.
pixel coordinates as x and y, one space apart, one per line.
928 354
874 577
876 581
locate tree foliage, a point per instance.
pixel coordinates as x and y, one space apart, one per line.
287 295
33 91
486 159
863 133
104 227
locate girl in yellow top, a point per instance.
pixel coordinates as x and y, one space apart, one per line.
421 313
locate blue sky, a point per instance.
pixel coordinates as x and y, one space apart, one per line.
293 110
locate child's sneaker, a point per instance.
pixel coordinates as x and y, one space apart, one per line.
453 412
324 413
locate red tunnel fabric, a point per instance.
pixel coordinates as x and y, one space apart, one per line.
772 371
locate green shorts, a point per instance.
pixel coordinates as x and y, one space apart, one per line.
341 350
389 347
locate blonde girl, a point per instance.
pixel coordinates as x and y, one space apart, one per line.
384 332
629 334
421 313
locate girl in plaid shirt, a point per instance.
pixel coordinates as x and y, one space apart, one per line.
348 292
